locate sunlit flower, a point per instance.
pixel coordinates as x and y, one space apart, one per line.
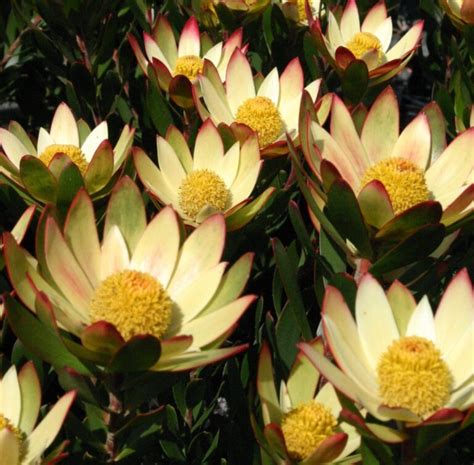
249 7
271 110
185 58
395 170
398 360
140 279
296 9
210 181
304 417
67 141
21 443
348 40
460 11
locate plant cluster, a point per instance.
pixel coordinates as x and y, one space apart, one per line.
237 232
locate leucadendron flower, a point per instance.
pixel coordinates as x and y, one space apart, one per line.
22 442
296 10
40 171
397 359
371 42
304 419
392 170
271 110
461 12
185 58
141 279
211 180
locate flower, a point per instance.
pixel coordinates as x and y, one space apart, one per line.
21 443
296 9
396 359
397 171
304 418
141 279
271 111
347 41
208 182
67 142
185 58
249 7
461 12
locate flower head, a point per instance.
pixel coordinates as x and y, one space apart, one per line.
185 58
304 416
140 279
296 9
67 142
398 360
348 40
461 12
271 110
210 181
22 442
397 169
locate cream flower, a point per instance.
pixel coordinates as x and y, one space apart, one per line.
271 110
304 418
371 42
460 11
397 168
398 360
185 57
89 150
140 279
296 9
208 182
21 443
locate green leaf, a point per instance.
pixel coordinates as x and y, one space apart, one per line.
137 354
38 180
343 211
355 81
41 340
100 168
69 182
415 247
288 273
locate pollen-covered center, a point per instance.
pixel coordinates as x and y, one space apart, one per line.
403 180
203 188
363 42
134 302
412 374
6 424
189 66
305 427
261 115
71 151
302 9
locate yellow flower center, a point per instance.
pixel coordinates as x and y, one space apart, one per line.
302 9
134 302
403 180
411 374
189 66
305 427
261 115
6 424
363 42
72 151
203 188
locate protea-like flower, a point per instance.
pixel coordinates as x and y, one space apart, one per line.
392 172
296 9
304 418
271 111
210 181
37 170
370 42
22 442
461 12
395 358
185 58
141 279
248 7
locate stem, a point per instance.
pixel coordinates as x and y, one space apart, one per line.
408 448
111 420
